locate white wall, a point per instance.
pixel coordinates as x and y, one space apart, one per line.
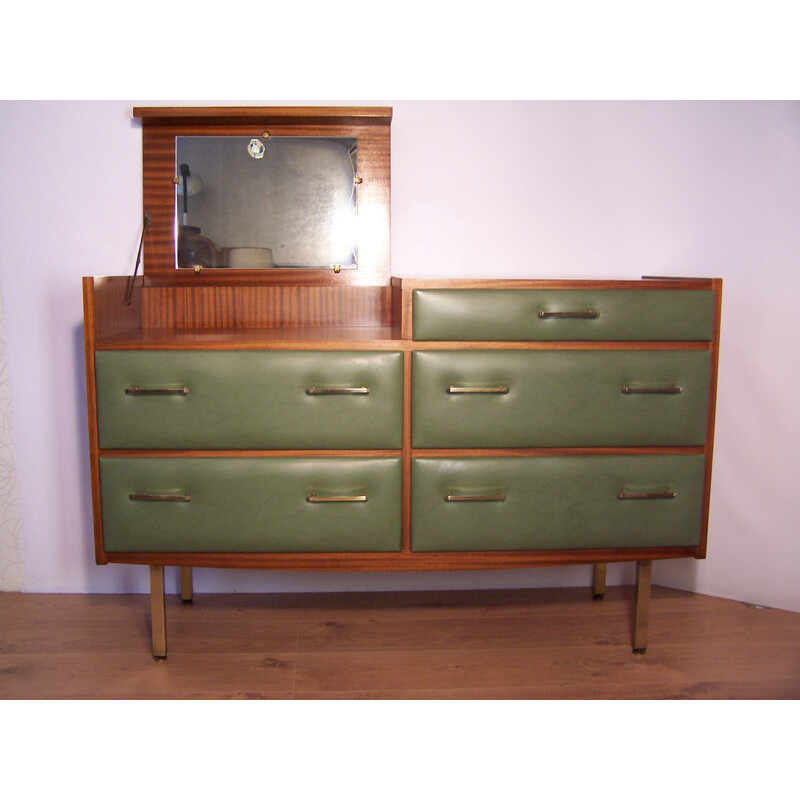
496 189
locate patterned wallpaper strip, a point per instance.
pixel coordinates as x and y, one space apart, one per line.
11 552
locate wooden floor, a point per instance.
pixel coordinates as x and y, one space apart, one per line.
508 644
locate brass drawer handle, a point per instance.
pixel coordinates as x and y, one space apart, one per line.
180 498
342 498
475 498
651 389
141 390
477 390
341 390
569 314
667 495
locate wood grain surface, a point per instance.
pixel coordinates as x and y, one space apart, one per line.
502 644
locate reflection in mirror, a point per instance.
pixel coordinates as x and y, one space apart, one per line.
261 203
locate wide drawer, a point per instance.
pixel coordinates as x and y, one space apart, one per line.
516 398
250 505
556 502
562 314
251 400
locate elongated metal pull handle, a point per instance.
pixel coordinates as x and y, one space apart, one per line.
651 389
475 498
589 314
145 390
341 498
338 390
175 498
477 390
666 495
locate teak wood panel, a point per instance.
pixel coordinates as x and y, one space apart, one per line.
97 318
712 415
338 338
207 316
409 284
399 562
106 312
236 307
374 168
264 115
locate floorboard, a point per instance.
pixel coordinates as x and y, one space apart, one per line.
504 645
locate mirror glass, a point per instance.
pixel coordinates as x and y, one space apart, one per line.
266 203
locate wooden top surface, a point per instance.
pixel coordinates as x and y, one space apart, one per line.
553 283
219 115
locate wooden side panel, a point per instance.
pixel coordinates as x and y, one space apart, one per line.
712 411
105 313
105 308
401 308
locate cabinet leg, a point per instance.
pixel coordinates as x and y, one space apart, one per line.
187 590
599 582
644 572
158 615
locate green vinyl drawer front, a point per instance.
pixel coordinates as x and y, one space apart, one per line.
250 504
560 398
556 502
562 314
249 400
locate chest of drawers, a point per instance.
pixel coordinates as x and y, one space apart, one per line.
462 425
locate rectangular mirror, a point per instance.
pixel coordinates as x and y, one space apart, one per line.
274 202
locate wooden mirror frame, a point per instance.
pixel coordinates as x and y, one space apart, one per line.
161 126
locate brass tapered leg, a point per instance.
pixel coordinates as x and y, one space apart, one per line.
158 615
187 590
644 573
599 582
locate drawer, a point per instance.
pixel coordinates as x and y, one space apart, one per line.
562 314
563 398
252 400
251 505
556 502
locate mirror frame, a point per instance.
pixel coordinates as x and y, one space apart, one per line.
162 125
